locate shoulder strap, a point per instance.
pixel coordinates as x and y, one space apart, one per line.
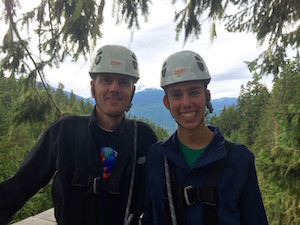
128 215
209 189
81 178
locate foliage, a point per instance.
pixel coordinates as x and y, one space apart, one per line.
281 163
270 125
225 121
62 28
276 22
251 104
160 132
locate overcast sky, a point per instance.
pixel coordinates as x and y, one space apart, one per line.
155 41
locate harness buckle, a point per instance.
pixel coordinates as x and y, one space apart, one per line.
97 185
188 195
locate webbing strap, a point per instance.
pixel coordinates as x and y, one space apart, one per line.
169 192
128 215
209 211
80 177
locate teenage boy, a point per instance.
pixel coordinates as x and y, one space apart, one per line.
196 177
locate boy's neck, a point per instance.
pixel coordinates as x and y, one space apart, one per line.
195 139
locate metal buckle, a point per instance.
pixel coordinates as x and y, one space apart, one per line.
186 195
96 185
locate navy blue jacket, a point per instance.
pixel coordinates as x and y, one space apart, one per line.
239 198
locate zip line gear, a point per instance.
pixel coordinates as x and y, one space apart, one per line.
189 195
169 192
115 59
86 184
128 216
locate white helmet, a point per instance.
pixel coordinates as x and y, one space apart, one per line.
115 59
183 66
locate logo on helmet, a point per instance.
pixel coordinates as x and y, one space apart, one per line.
115 63
178 72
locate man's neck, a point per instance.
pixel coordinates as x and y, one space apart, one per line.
109 123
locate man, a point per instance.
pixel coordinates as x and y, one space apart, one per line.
195 176
98 160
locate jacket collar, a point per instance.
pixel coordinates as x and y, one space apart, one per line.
214 151
93 118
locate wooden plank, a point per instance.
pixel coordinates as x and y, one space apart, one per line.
44 218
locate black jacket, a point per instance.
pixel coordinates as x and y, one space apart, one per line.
74 200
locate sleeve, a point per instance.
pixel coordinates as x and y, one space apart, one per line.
251 204
35 171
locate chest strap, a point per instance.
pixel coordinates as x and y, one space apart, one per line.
207 193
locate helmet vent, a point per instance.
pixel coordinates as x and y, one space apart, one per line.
134 65
134 62
98 57
197 57
163 71
201 66
199 62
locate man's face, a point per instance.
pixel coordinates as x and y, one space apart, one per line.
113 93
186 102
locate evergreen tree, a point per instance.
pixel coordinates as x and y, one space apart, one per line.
280 164
250 106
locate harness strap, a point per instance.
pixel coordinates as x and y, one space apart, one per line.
128 215
209 208
81 178
169 192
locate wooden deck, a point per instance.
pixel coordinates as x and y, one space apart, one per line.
44 218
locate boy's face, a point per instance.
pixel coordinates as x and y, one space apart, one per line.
186 102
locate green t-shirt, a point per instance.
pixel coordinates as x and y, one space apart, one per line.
190 155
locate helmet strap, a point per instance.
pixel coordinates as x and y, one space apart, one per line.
130 103
208 103
93 89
